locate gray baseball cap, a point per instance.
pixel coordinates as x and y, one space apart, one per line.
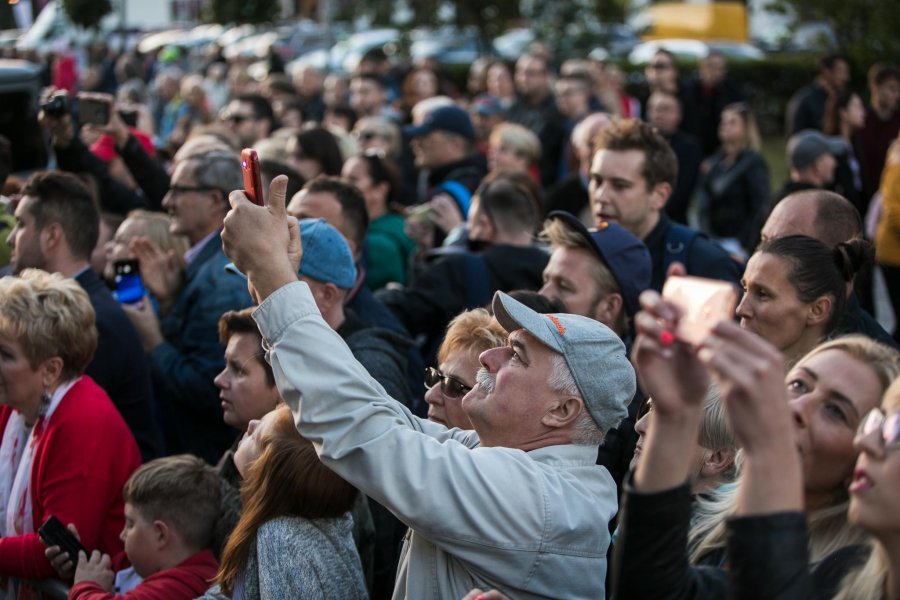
805 147
594 353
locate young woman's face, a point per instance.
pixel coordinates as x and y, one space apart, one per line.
830 393
875 490
503 158
732 129
854 114
250 446
770 306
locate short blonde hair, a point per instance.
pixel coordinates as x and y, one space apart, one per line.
49 315
520 140
471 331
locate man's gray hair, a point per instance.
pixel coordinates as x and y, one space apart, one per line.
217 168
585 432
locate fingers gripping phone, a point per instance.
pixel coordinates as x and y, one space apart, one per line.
54 533
703 302
129 285
252 179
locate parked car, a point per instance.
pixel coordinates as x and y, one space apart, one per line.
694 50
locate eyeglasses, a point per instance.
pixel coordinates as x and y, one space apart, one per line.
450 386
237 119
887 425
660 66
175 190
366 136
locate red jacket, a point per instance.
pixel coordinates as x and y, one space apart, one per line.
187 581
81 462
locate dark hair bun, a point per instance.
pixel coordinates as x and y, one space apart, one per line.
852 255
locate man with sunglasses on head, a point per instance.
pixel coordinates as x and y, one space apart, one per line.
182 341
250 118
516 505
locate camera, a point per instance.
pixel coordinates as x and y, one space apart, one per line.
56 106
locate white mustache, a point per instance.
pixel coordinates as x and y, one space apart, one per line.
485 380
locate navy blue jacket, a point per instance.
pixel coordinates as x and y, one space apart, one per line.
185 365
120 366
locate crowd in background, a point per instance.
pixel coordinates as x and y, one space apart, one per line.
478 384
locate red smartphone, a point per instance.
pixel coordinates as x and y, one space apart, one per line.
252 179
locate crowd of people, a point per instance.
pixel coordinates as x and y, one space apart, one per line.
438 360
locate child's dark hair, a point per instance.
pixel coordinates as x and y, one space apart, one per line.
181 490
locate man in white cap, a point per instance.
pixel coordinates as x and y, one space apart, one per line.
517 505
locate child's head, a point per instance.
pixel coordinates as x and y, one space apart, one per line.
171 506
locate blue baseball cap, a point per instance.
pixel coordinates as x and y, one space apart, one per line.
326 255
446 118
593 352
626 257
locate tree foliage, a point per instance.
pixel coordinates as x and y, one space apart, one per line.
866 30
86 13
242 11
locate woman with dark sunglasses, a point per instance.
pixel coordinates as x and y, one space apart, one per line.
469 334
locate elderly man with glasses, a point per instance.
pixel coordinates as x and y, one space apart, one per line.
182 343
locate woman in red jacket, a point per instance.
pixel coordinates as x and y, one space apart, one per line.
64 448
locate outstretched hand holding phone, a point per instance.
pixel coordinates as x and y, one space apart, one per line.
263 241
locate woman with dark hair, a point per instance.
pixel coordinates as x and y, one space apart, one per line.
845 115
387 245
294 537
734 183
314 152
795 290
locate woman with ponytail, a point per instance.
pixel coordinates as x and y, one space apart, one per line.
796 289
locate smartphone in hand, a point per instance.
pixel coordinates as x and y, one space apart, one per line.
94 112
703 303
54 533
129 285
252 179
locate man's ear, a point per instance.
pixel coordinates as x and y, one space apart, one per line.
563 412
329 294
609 309
819 310
659 195
51 236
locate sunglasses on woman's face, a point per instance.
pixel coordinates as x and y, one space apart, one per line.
450 386
887 426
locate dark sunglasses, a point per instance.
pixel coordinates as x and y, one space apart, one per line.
366 136
644 409
450 386
660 66
237 119
888 427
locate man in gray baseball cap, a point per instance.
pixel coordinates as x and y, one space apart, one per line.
813 158
518 504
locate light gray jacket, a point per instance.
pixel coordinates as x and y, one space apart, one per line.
531 524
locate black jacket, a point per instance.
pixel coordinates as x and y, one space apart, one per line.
547 123
767 555
120 366
115 197
689 154
734 196
439 292
704 258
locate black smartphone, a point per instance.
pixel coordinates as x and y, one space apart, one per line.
95 112
129 285
54 533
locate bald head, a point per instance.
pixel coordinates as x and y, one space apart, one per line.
825 216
